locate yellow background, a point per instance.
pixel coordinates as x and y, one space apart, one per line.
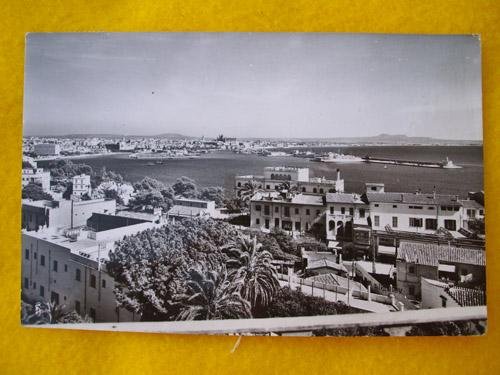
59 351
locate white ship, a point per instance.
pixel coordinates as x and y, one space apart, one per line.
333 157
448 164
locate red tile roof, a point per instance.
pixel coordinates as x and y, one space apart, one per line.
431 254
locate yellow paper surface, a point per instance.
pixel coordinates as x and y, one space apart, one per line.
58 351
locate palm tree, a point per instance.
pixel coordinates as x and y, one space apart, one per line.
254 275
247 191
212 295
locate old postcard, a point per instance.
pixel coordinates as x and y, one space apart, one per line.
253 183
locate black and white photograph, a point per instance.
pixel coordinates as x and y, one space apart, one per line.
278 184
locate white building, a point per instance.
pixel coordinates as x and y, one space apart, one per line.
293 213
275 177
36 176
413 212
343 208
68 267
47 149
438 294
186 207
81 185
62 213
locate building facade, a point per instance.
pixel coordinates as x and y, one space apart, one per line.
293 177
295 213
416 260
47 149
62 213
81 185
36 176
68 267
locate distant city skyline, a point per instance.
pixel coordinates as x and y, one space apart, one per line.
261 85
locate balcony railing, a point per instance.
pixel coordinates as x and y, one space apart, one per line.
293 324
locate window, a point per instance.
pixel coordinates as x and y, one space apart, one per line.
35 255
297 211
54 266
450 224
65 268
266 210
287 211
258 208
481 212
257 221
266 223
415 222
394 206
297 226
456 208
239 184
321 191
342 210
430 207
26 283
42 291
78 275
286 225
26 254
77 307
376 220
315 190
376 204
331 210
276 222
308 212
443 208
92 314
303 189
351 211
361 212
394 221
411 290
92 281
103 283
415 207
318 212
276 209
331 225
431 224
268 187
373 188
411 269
443 301
54 297
34 285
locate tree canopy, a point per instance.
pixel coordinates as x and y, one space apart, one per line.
35 192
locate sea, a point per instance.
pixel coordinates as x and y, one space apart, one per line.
220 168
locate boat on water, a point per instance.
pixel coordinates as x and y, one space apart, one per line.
447 164
333 157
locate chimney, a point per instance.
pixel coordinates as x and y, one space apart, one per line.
338 174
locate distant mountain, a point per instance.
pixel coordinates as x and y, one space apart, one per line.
386 139
381 139
96 135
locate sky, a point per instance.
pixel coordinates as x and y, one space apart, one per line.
293 85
